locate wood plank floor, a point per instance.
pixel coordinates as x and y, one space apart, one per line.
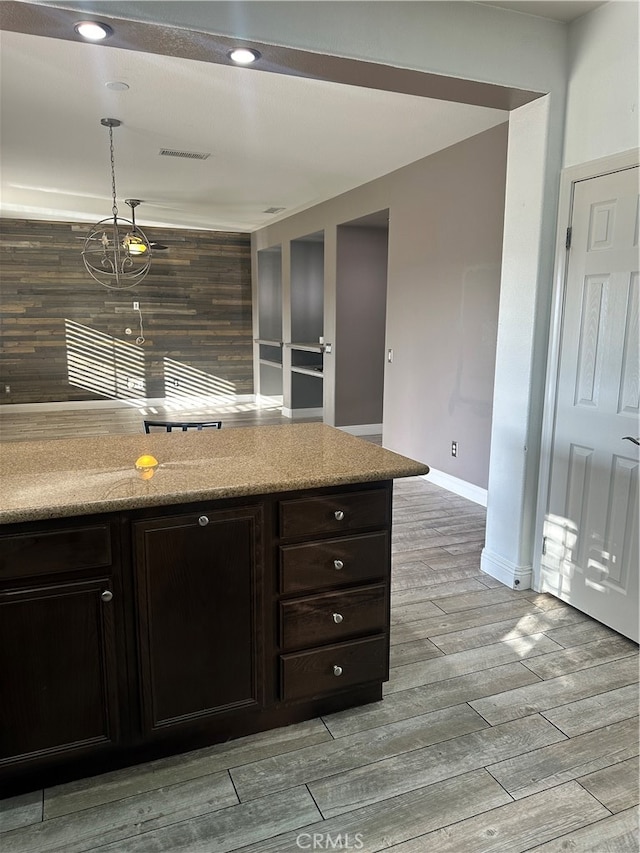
509 724
16 425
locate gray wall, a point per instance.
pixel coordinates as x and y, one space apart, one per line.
445 242
361 295
442 314
270 295
307 290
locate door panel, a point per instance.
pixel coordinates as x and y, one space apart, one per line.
591 526
57 670
199 583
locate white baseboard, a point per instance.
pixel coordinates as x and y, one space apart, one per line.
457 486
302 413
136 402
511 575
362 429
268 402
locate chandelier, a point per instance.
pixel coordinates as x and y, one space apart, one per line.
116 253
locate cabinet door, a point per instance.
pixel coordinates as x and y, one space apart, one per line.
199 580
57 671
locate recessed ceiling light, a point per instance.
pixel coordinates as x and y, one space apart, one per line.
244 55
93 30
117 86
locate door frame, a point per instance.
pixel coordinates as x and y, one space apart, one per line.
568 179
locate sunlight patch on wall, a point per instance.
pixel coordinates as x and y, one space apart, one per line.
181 381
102 364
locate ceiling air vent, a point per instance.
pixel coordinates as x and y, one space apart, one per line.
274 209
186 155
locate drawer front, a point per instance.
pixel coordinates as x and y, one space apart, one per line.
332 617
334 562
55 551
321 671
334 513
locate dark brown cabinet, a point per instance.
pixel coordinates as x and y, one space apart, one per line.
199 580
58 649
140 633
327 594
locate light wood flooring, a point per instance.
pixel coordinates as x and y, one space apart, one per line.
509 724
36 424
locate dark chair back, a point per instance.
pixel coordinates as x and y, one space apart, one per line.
169 426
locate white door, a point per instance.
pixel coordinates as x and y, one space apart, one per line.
590 549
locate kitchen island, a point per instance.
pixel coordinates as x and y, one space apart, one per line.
240 584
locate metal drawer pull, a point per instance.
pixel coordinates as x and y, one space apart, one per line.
338 564
107 595
337 670
337 618
203 521
338 515
624 438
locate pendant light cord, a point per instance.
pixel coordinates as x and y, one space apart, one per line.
114 209
140 338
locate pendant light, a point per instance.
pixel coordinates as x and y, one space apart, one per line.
116 253
133 241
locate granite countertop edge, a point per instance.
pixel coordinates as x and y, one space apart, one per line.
78 474
99 507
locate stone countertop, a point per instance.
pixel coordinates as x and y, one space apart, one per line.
68 477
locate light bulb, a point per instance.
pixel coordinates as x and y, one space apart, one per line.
93 31
244 55
134 245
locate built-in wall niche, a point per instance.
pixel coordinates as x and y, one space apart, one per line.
270 294
306 390
307 359
307 288
361 298
270 320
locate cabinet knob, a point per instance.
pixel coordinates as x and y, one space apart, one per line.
107 595
338 515
338 564
203 521
337 670
337 618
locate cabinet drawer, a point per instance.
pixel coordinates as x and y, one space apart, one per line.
55 551
318 671
334 562
334 513
332 617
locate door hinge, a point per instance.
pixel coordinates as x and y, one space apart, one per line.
544 545
567 244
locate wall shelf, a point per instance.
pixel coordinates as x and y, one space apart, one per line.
313 347
308 371
267 342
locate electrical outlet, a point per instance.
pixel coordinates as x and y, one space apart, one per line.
136 306
454 448
7 389
135 384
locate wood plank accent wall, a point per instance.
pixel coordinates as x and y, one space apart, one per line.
63 334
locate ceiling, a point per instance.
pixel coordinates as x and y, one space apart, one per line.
274 140
557 10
